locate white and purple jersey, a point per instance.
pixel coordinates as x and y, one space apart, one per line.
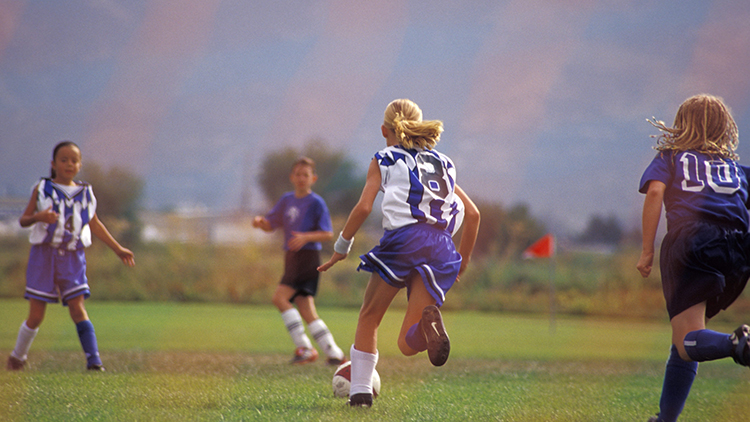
418 187
305 214
75 206
700 187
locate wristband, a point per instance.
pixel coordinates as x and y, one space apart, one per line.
342 245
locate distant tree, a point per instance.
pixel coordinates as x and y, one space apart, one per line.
602 230
118 194
337 182
505 233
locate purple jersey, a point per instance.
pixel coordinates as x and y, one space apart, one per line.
700 187
306 214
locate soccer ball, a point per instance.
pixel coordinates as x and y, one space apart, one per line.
342 381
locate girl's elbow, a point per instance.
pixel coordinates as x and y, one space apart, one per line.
472 214
363 209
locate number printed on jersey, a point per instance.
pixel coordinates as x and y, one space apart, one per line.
431 174
700 172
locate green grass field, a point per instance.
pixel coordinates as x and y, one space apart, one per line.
170 361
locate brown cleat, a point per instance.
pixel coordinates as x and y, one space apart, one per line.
15 364
438 343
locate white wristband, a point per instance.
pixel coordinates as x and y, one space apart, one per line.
342 245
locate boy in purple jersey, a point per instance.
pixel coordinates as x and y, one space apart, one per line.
62 212
422 207
705 255
306 222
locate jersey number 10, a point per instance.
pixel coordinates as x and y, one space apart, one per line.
721 176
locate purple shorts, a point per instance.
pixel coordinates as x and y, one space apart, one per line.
56 274
415 249
703 262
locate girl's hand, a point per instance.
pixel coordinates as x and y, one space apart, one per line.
127 256
645 263
47 216
334 259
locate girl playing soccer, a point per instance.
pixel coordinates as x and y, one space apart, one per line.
705 255
63 214
422 208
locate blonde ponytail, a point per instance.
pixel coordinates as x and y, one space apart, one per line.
404 117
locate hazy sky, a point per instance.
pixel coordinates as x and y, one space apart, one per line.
544 102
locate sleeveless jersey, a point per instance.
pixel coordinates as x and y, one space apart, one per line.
74 209
305 214
700 187
418 187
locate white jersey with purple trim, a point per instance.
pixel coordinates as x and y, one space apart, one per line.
418 187
75 206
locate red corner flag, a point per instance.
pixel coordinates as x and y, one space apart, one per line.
542 248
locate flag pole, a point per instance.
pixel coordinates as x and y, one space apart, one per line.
546 247
552 294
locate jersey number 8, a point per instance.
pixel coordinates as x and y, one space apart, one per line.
431 174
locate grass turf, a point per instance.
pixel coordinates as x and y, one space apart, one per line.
170 361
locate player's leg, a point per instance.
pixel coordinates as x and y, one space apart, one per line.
423 327
26 334
86 333
319 330
304 351
364 351
411 339
680 369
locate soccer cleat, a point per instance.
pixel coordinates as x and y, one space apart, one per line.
654 418
438 343
360 400
15 364
741 340
304 355
95 368
336 361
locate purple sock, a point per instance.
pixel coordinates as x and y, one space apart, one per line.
678 379
88 341
415 338
704 345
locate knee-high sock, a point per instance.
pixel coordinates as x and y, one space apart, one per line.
324 338
363 366
704 345
678 379
87 336
415 338
293 322
23 341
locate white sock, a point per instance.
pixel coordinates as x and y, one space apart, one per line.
363 366
293 322
325 340
23 342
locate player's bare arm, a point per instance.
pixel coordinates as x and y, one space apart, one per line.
300 239
360 212
30 216
470 229
650 220
262 223
100 231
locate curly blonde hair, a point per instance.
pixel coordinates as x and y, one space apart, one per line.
404 117
703 123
